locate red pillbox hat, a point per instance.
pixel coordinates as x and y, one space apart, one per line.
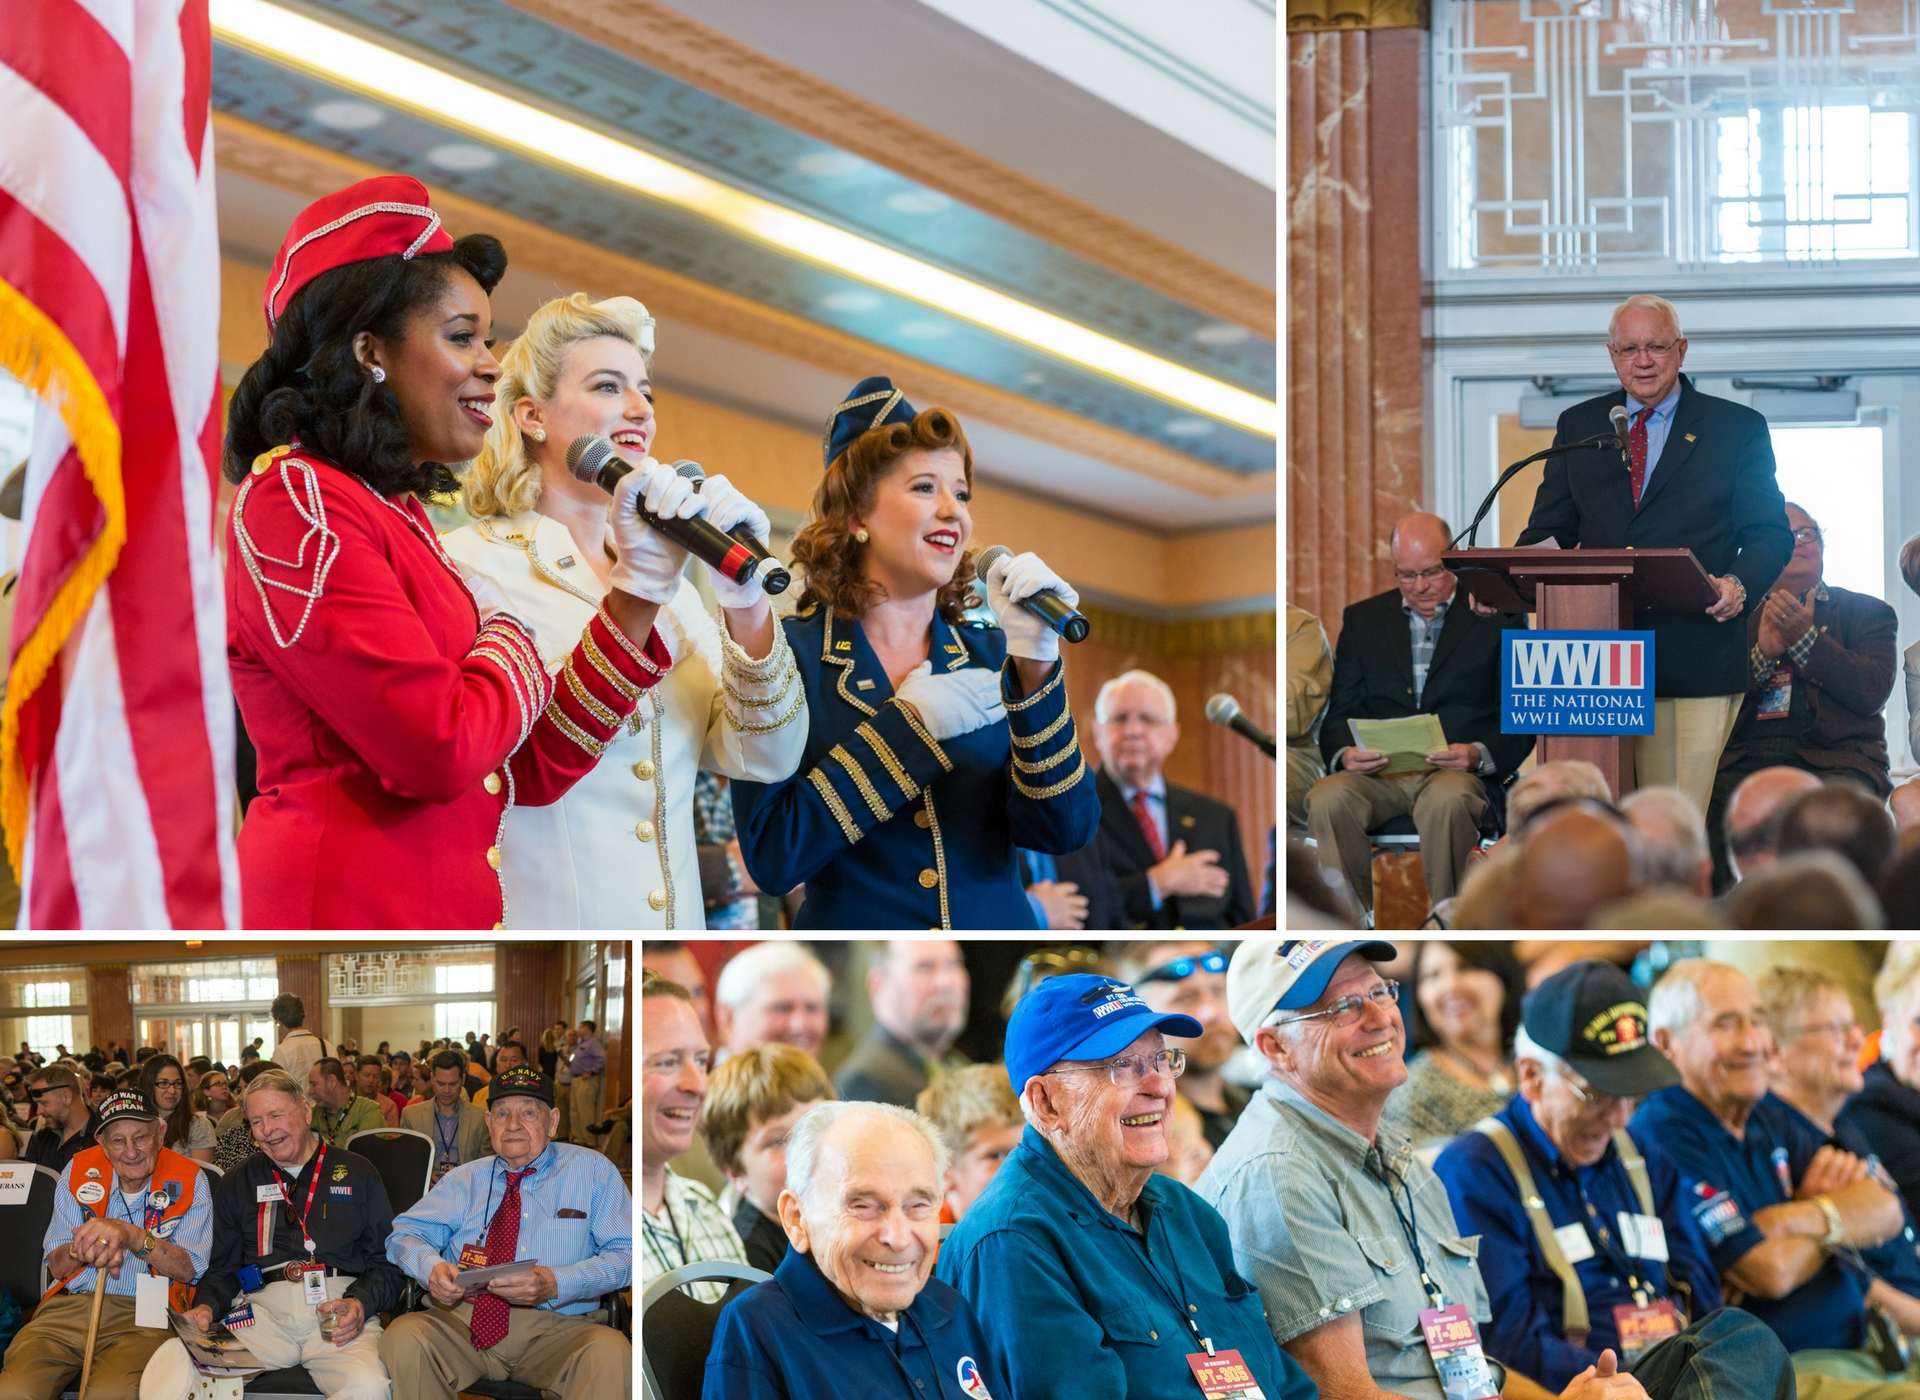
375 218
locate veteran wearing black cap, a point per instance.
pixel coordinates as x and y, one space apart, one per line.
561 1209
1588 1236
936 744
130 1210
297 1267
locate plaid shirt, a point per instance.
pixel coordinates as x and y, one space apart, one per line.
1799 650
1425 634
689 1227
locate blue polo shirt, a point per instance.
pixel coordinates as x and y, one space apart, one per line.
794 1337
1528 1327
1898 1259
1727 1179
1075 1302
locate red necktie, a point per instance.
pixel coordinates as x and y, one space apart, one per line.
489 1323
1637 453
1155 843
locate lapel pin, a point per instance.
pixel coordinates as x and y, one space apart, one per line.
1691 438
843 646
863 684
566 561
1187 820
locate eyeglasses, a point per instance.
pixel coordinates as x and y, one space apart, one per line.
1590 1096
1433 575
1348 1010
1129 1070
1843 1029
1807 534
169 1083
1659 349
1182 968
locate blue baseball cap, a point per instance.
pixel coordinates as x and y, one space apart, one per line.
1288 974
1081 1016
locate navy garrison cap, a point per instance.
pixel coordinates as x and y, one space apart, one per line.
871 403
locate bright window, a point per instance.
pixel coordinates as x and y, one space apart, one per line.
1835 474
453 1019
46 1033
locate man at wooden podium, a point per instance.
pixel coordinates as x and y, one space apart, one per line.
1699 475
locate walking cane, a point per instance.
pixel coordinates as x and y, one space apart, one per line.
93 1331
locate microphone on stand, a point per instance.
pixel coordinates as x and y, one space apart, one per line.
1618 417
1050 608
1224 710
591 458
773 576
1473 526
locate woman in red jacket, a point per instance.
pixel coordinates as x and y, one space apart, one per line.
397 711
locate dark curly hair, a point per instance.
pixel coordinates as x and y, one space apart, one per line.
825 546
309 385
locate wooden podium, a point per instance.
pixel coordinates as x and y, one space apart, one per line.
1586 590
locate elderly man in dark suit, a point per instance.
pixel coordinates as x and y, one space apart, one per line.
1820 668
1412 651
1699 475
1174 854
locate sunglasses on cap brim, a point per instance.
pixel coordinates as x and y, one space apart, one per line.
1182 968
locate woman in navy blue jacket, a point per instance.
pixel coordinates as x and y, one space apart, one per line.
936 745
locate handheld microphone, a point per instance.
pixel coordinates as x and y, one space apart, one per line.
1618 417
1224 710
591 457
1050 608
773 575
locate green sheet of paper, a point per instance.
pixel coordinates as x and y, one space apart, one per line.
1405 742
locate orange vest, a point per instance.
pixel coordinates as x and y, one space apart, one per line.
178 1176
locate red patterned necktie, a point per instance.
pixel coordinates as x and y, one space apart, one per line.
489 1323
1637 453
1155 842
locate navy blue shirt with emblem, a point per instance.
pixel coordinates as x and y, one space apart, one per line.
1528 1331
1728 1179
794 1337
889 828
1896 1260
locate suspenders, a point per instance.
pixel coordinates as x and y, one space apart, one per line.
1575 1322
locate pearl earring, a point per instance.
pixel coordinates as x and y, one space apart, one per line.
861 534
379 375
538 434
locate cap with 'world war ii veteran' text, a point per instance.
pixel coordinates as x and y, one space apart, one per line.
1593 1016
125 1103
1288 974
1081 1016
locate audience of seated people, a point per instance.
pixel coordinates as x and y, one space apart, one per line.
1821 669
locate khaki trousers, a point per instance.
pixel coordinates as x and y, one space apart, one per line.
1446 807
1684 749
431 1355
286 1332
1304 769
584 1098
44 1357
1848 1375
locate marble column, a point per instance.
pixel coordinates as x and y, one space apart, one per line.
1356 164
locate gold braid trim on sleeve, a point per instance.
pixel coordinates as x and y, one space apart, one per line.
879 809
912 717
588 700
1041 794
1036 740
834 804
605 668
888 759
1015 706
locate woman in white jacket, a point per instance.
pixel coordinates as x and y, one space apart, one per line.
618 850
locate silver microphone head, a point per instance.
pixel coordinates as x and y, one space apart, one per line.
587 454
692 471
993 555
1618 417
1222 708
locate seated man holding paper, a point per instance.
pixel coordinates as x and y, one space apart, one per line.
560 1212
143 1216
1411 654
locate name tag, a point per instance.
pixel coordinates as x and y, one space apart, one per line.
1453 1341
1575 1243
1222 1376
149 1301
1643 1328
313 1287
264 1194
1643 1236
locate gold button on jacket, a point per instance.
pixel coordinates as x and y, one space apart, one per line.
928 879
658 899
492 783
644 830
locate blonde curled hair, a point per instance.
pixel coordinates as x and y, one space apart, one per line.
504 479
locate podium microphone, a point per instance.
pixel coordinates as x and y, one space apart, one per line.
591 458
1050 608
1224 710
1618 417
773 577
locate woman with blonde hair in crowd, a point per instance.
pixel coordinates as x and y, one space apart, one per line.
213 1096
618 850
936 744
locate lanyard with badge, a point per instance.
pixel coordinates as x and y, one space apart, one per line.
474 1256
1221 1374
149 1288
1650 1318
1452 1336
311 1273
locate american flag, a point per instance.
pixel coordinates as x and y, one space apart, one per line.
117 735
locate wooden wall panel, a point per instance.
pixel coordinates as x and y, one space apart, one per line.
528 992
109 1007
304 976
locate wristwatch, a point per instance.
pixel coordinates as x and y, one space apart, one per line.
147 1242
1836 1227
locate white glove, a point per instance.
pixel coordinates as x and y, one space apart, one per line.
648 564
953 702
727 507
1016 578
489 598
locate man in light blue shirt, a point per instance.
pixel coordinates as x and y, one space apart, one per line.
562 1208
586 1068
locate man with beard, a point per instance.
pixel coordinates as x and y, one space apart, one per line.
67 1122
1190 979
919 995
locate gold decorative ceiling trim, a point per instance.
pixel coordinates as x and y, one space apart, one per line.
311 171
662 38
1330 16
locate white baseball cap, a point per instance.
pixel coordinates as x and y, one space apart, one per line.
1288 974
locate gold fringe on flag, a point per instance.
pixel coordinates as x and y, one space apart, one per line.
37 352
